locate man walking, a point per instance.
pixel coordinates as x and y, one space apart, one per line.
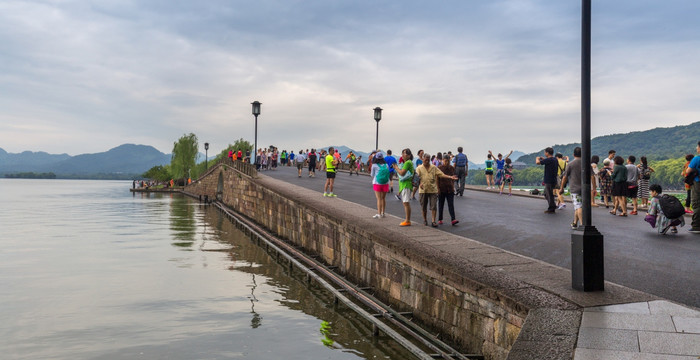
550 177
695 192
390 162
331 163
428 188
462 167
572 175
299 160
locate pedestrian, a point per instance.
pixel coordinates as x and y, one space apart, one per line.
406 174
489 171
428 189
606 183
561 166
359 165
462 169
550 177
595 179
632 176
507 177
283 157
643 182
351 162
380 183
611 157
230 154
688 187
655 214
311 158
446 191
694 168
572 175
240 155
390 161
299 160
416 177
619 177
331 163
291 158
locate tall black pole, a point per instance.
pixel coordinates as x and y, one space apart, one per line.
206 159
255 150
376 143
587 256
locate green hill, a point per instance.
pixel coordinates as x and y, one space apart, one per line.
656 144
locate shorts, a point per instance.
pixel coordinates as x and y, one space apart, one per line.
312 167
576 200
619 189
489 172
381 187
425 198
300 166
392 175
405 195
632 191
330 175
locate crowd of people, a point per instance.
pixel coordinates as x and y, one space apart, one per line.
437 179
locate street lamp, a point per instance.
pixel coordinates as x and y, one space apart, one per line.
256 111
587 257
377 117
206 155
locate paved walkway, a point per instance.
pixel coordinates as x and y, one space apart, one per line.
659 330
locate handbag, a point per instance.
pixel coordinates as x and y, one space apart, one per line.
405 176
651 219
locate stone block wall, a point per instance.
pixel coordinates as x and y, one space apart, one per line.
438 290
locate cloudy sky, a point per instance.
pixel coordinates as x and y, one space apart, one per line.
85 76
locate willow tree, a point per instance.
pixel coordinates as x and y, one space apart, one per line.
184 155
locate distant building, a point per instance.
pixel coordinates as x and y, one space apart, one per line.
519 165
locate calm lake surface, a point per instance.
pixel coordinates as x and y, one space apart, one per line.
90 271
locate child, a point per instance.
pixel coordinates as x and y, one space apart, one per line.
662 223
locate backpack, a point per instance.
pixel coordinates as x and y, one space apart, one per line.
671 206
461 159
646 173
383 175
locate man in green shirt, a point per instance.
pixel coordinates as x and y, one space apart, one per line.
406 185
331 163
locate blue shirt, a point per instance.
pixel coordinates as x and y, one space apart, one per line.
500 163
695 164
390 161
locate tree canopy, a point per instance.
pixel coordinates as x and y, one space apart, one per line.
184 155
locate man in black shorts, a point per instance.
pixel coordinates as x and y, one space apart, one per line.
312 163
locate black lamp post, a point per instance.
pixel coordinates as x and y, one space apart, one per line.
587 257
206 156
377 117
256 112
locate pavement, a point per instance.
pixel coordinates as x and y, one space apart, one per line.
619 323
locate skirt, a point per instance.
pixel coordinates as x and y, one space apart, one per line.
619 189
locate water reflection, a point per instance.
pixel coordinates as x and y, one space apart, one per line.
182 222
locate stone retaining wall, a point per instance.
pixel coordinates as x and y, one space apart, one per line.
408 275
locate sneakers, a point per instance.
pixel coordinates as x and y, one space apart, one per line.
398 197
376 216
574 226
455 222
383 215
694 231
325 194
562 206
440 222
689 211
332 195
663 232
405 223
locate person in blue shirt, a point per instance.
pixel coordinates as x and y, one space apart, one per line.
461 164
550 177
695 191
390 161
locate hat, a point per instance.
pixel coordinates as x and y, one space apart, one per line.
379 155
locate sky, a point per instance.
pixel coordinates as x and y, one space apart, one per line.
86 76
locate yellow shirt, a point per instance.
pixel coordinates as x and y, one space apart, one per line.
329 163
428 178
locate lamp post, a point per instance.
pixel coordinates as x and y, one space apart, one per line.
587 257
377 117
256 111
206 156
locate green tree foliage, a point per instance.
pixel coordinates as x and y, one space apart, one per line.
160 173
184 155
31 175
655 144
667 173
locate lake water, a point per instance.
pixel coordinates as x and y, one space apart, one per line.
91 271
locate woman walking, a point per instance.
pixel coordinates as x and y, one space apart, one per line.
380 183
619 177
643 182
446 191
500 163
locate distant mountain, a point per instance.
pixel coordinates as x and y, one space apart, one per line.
655 144
125 159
